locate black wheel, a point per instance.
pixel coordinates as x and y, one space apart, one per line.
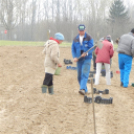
106 91
89 100
95 90
111 100
85 99
98 99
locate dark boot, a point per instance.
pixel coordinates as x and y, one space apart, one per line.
44 88
132 84
50 89
112 75
121 84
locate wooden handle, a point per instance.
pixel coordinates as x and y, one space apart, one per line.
93 106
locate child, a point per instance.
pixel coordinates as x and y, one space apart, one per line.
52 61
103 57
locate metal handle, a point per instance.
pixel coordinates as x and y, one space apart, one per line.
88 51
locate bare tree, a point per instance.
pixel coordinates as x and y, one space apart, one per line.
32 19
9 16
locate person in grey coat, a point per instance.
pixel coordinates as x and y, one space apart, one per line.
125 57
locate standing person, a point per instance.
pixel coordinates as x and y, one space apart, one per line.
103 57
109 38
81 43
52 61
94 56
125 56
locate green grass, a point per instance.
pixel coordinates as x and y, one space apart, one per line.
26 43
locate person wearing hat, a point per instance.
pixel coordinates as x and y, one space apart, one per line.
125 57
109 38
81 43
103 56
52 56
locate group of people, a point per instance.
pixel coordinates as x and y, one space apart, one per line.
102 56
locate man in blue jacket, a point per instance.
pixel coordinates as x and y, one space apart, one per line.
81 43
126 54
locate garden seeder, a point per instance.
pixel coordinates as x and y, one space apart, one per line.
98 100
106 91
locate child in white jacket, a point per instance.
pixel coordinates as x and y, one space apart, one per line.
52 61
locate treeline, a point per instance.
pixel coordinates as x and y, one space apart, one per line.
37 20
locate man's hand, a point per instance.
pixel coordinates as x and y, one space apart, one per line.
59 65
75 60
84 55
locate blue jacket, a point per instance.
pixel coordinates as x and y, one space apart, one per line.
77 47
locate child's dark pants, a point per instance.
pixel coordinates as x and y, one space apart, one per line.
48 80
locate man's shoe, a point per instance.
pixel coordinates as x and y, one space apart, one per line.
44 88
82 92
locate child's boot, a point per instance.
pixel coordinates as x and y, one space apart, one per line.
50 89
44 88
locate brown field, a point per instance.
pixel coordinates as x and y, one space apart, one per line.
25 110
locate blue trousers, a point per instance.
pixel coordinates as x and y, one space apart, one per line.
125 65
83 69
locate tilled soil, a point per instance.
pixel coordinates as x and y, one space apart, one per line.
25 110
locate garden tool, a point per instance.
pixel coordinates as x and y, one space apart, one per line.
71 68
68 61
89 81
106 91
87 99
94 117
98 44
100 100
